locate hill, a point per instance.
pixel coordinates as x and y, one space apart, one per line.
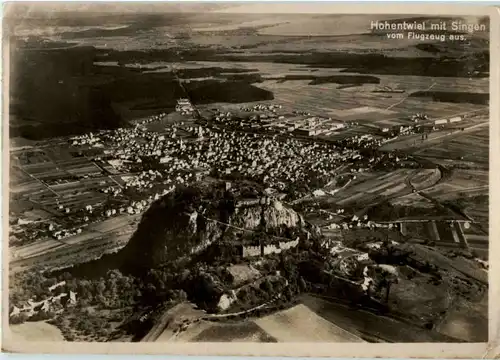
190 219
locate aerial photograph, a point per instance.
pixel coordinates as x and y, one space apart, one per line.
246 172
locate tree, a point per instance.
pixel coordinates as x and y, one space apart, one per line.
85 290
266 286
100 287
102 300
182 296
288 293
302 284
18 319
385 280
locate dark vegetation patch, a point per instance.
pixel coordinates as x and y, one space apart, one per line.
422 66
386 211
455 97
475 47
55 90
431 48
475 65
248 78
153 55
60 92
472 64
234 331
336 79
210 71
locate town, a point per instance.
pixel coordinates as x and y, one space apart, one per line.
135 166
231 177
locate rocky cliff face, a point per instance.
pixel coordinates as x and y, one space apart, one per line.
189 220
266 216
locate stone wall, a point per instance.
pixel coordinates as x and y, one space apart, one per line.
249 251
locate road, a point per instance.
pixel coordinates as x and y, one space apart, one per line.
435 201
406 97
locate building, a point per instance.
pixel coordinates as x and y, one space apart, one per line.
184 106
305 132
262 250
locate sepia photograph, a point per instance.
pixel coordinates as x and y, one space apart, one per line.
245 173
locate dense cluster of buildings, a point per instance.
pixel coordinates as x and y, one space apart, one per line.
357 222
419 117
184 107
152 119
262 107
266 117
310 126
276 162
64 233
153 163
184 154
452 120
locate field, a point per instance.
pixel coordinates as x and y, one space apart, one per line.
244 331
462 183
184 323
467 321
468 191
35 331
477 238
471 147
47 181
448 264
413 199
209 331
367 189
173 322
245 24
376 187
105 237
327 100
425 178
300 324
295 324
357 103
370 326
445 234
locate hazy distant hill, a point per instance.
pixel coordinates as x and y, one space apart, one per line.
52 10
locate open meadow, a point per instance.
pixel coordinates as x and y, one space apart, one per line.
303 325
471 147
35 331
